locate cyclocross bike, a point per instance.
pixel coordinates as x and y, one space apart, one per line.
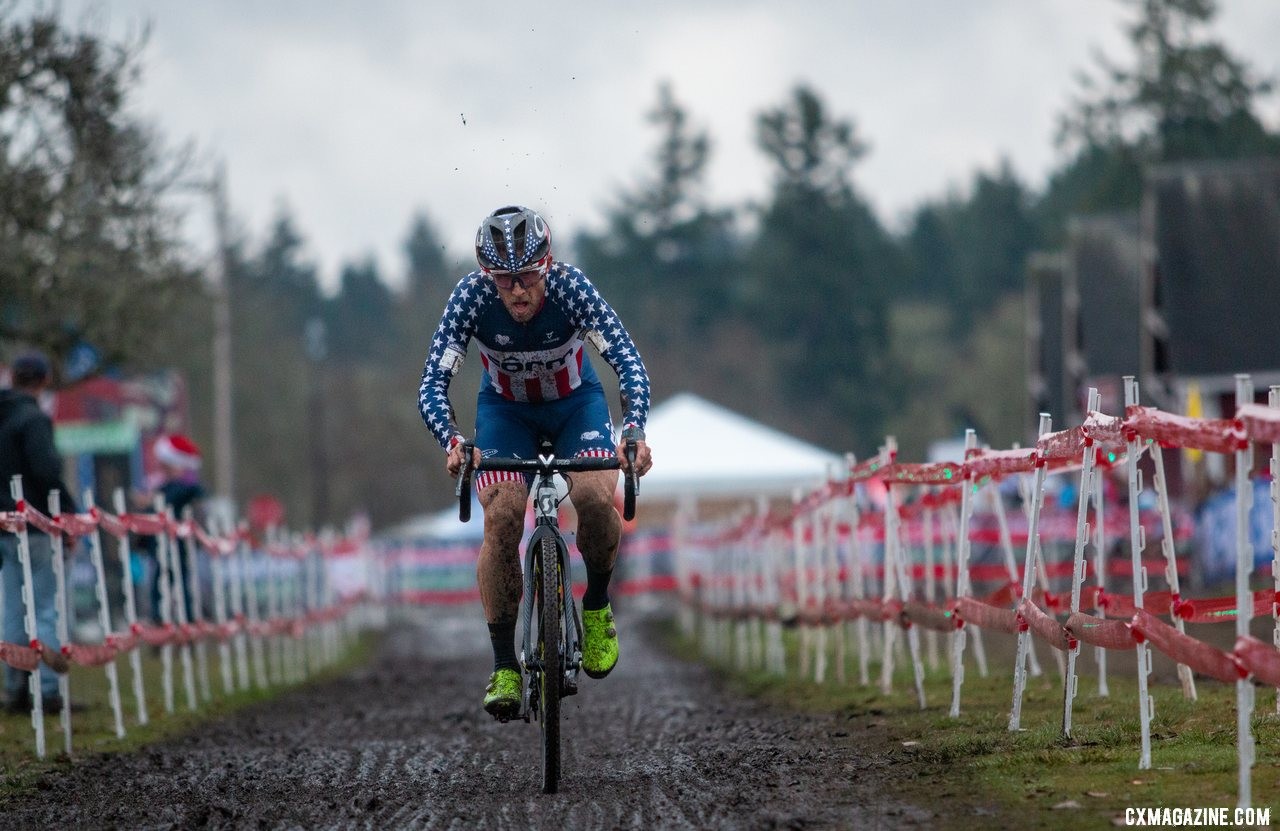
552 657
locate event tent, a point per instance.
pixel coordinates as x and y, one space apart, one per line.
700 450
704 450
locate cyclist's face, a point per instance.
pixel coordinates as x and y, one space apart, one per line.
524 298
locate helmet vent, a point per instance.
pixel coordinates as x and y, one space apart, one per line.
499 243
518 238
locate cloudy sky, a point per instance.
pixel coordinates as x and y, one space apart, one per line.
357 114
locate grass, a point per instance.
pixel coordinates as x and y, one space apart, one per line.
93 723
973 766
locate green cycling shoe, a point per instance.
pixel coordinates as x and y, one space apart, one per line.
599 642
502 696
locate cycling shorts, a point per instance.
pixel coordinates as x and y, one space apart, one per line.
577 425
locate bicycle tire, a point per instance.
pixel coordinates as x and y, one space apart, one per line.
551 616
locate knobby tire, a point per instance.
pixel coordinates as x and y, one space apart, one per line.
551 611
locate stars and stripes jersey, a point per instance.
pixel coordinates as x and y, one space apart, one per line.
542 360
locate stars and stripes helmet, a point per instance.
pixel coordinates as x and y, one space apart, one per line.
513 238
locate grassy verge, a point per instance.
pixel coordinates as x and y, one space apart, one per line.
93 723
973 769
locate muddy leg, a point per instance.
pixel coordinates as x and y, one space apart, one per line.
599 528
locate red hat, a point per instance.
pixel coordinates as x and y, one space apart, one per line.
177 450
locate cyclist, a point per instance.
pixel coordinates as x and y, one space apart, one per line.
531 316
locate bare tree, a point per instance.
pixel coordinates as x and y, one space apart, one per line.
87 246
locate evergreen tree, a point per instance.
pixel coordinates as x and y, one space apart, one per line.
361 317
428 282
428 273
820 274
1184 97
290 282
666 257
969 251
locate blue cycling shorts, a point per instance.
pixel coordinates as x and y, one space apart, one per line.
577 425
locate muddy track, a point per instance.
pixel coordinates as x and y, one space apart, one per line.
403 743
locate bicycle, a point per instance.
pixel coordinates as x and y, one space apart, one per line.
553 658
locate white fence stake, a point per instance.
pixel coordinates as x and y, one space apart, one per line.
237 608
1011 564
832 515
131 611
60 626
1244 601
1069 682
1171 562
250 586
218 574
1028 580
888 586
1146 705
104 617
29 619
857 582
197 606
166 608
893 541
1100 573
930 586
968 490
1273 398
178 594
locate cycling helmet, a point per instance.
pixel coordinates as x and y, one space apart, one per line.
513 238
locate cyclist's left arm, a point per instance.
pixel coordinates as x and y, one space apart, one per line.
593 313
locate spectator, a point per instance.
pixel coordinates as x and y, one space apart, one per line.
179 460
27 449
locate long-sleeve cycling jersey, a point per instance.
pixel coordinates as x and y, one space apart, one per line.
541 360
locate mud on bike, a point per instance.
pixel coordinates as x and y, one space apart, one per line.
551 629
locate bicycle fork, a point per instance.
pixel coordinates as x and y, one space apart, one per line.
571 624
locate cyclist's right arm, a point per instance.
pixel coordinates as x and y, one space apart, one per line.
448 349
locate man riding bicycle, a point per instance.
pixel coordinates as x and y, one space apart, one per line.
531 316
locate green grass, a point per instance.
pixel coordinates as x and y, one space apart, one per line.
93 723
974 766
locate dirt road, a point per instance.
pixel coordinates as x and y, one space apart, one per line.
403 743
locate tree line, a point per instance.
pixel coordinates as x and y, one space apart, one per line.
803 311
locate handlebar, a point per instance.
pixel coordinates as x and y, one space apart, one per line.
547 466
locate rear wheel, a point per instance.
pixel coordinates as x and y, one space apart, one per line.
550 611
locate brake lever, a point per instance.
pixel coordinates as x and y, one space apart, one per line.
463 489
632 485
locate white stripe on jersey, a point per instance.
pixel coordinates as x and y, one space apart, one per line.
510 370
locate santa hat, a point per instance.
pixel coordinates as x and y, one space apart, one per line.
179 451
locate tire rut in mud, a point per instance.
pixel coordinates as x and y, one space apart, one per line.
403 742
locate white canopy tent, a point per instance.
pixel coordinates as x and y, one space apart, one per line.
704 450
701 450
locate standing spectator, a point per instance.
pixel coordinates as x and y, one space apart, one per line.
26 448
179 460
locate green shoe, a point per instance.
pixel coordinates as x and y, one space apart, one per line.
599 642
502 696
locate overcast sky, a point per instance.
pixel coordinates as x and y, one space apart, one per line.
358 114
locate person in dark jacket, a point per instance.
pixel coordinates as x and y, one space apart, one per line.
27 449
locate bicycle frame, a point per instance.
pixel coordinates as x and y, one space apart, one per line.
567 643
546 524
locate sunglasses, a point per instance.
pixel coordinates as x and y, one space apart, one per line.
506 280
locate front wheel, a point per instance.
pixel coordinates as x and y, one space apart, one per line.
550 614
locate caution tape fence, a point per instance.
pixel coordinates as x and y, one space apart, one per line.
883 550
272 609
